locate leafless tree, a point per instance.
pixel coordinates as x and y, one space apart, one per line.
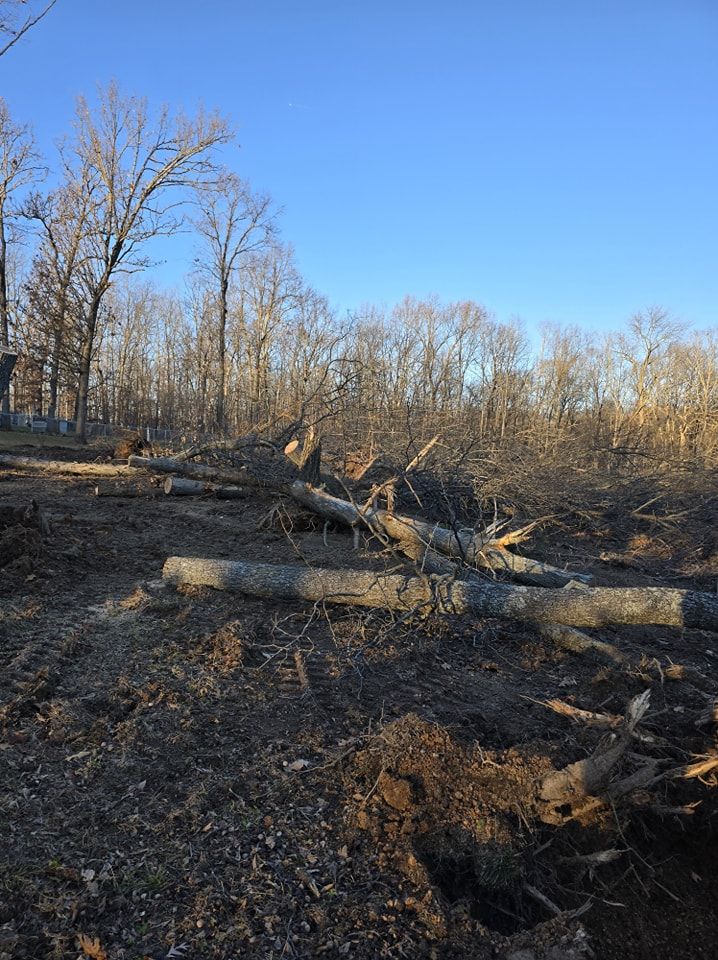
233 222
19 166
136 168
17 17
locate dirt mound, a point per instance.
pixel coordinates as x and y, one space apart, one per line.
129 446
457 823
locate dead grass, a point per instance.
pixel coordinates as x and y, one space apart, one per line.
12 439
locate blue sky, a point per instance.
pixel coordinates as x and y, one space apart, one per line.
552 159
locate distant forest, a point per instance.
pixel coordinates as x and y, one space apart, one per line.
248 343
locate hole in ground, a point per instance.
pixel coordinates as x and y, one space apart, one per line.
486 879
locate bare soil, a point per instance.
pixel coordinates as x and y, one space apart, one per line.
194 774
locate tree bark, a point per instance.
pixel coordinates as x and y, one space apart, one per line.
596 607
577 642
223 492
196 471
60 466
527 570
460 544
183 487
83 386
4 312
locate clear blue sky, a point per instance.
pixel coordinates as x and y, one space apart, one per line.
555 159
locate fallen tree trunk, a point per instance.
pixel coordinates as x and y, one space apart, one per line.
183 487
196 471
583 608
412 536
61 466
527 570
416 537
462 544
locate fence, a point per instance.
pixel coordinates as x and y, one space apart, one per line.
53 425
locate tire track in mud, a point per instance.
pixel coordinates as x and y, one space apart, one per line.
33 667
305 674
38 667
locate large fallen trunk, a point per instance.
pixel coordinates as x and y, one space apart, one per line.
60 466
582 608
413 537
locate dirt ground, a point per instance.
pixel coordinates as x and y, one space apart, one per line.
200 775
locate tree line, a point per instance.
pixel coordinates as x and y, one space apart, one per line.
248 342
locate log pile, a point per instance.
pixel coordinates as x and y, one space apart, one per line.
453 570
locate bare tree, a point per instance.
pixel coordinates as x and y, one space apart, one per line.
234 222
16 18
19 166
650 336
53 292
136 169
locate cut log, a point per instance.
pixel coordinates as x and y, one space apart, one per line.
54 467
183 487
138 488
196 471
584 608
230 493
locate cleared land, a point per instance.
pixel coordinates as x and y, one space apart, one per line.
221 776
